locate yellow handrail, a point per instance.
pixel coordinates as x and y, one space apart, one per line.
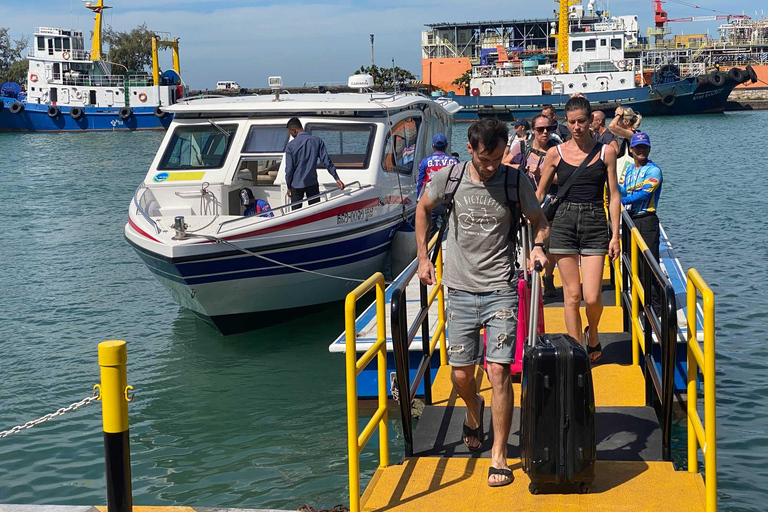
438 291
354 367
638 246
698 435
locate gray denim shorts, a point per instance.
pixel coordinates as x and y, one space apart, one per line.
468 313
580 228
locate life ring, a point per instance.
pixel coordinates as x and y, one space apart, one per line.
16 107
53 111
33 77
752 74
76 113
142 97
65 55
716 78
622 64
738 75
668 100
159 112
125 113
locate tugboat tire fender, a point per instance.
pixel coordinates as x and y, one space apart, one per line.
159 112
668 100
76 113
738 75
125 113
16 107
716 78
752 74
53 111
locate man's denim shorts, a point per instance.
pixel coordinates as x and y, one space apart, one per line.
579 228
468 313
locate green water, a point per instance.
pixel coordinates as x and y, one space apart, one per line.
258 420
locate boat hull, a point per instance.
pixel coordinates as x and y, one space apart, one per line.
35 118
682 97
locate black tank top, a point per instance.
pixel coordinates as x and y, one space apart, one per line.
590 184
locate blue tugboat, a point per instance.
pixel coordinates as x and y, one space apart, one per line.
69 88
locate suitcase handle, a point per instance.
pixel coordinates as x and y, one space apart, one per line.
533 318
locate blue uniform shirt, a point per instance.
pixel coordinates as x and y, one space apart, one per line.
431 164
301 155
640 188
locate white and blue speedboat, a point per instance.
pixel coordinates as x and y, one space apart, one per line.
187 220
70 88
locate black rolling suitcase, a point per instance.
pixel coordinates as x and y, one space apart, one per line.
557 425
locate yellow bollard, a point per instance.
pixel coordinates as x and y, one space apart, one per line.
114 408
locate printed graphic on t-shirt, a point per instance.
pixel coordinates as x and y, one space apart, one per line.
479 214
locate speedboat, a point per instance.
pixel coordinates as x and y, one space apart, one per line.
188 221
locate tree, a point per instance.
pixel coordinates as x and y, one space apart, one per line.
10 53
17 72
463 80
133 49
383 76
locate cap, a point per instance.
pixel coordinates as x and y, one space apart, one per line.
639 139
439 140
523 122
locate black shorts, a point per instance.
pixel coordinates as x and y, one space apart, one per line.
580 228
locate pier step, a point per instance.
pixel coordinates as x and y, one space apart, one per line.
438 483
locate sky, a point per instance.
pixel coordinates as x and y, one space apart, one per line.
310 41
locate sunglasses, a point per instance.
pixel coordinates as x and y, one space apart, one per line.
541 129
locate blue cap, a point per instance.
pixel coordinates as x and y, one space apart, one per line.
439 140
640 139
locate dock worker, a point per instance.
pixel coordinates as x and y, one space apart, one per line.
561 132
478 272
301 155
430 165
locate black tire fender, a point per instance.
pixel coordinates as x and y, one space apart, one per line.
738 75
16 107
53 112
752 74
159 113
668 100
125 113
716 78
76 113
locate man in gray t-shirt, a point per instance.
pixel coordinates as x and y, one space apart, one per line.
479 272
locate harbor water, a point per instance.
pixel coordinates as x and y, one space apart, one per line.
258 420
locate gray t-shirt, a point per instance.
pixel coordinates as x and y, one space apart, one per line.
479 256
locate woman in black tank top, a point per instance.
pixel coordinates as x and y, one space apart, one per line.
579 238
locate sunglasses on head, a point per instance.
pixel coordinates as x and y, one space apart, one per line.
541 129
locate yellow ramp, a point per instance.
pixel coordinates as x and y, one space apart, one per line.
460 484
610 321
615 386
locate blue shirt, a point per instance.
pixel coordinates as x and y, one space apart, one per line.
431 164
301 155
640 188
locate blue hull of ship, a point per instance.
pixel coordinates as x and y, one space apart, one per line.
34 118
682 97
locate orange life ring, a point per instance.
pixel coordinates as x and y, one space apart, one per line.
142 97
33 77
65 55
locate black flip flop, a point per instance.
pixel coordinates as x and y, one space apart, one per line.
591 349
503 472
477 433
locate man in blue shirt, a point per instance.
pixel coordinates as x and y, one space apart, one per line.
436 161
640 188
301 155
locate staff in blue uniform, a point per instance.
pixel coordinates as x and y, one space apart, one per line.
431 164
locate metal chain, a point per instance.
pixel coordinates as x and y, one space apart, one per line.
30 424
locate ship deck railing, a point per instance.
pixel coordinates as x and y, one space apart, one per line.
633 397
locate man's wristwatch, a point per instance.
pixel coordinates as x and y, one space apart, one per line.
543 247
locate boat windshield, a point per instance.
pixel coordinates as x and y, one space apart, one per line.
348 145
192 147
591 67
266 139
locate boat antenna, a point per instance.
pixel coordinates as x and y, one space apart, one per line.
394 78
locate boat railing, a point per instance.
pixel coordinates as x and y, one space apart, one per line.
644 289
139 81
89 80
140 210
404 334
704 436
354 366
286 209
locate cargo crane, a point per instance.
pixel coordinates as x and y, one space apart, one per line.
660 18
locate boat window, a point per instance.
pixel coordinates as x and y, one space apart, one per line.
589 67
258 171
400 155
576 46
266 139
41 43
193 147
348 145
616 43
603 42
66 43
57 44
590 44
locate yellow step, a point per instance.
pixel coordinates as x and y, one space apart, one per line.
460 484
610 321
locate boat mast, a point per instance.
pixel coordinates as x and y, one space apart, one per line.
98 9
563 55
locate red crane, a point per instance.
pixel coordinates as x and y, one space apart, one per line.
660 15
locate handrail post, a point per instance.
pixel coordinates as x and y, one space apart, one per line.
381 329
710 420
400 349
114 407
425 346
351 364
669 359
648 332
635 302
441 306
692 396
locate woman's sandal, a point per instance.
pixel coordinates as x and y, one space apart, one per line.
506 472
590 349
476 433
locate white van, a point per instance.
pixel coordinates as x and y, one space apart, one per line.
227 85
